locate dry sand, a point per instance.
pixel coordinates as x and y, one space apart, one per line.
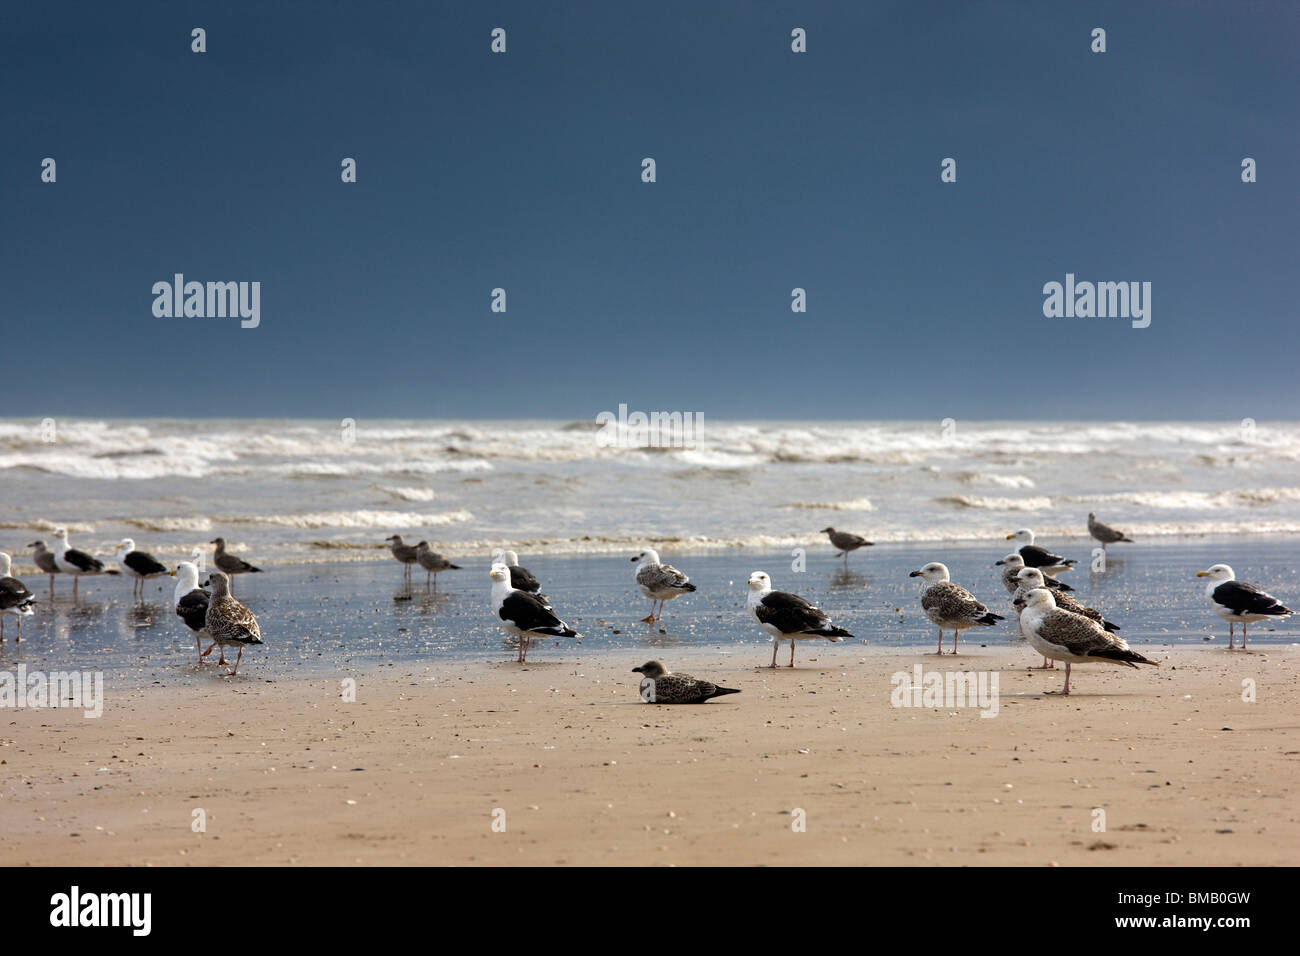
586 773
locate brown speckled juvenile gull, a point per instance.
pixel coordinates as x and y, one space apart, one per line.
1073 638
1030 578
1011 566
950 606
659 582
659 685
228 622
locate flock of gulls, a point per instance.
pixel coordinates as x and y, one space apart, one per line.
1055 623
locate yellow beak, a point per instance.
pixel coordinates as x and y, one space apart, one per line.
171 574
1202 574
1008 537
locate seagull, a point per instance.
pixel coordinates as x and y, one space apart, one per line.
197 557
1104 532
520 578
43 558
523 614
15 598
1030 578
950 606
191 602
787 616
1036 557
846 542
1073 638
1237 602
230 564
227 621
659 582
402 552
138 564
74 562
1011 565
659 685
433 563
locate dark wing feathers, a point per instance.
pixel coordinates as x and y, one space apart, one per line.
1247 599
143 563
1036 557
528 613
791 614
522 580
13 593
193 609
83 561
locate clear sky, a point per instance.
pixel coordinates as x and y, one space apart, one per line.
775 170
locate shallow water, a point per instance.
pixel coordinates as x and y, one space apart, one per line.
336 620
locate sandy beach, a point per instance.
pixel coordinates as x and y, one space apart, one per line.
810 766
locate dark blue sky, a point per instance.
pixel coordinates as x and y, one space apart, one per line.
775 170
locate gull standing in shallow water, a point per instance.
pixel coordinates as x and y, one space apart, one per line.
43 558
846 542
522 614
659 582
1104 532
138 564
230 564
659 685
228 622
15 597
191 603
74 562
950 606
433 564
1068 637
1237 602
787 616
1041 558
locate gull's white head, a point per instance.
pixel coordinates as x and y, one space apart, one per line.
648 556
1023 536
1038 597
6 565
1217 574
127 546
510 558
187 575
932 572
759 581
1031 578
500 574
1012 560
61 534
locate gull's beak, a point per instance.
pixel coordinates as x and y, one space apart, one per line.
171 574
1202 574
634 559
997 564
636 670
915 574
1008 537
